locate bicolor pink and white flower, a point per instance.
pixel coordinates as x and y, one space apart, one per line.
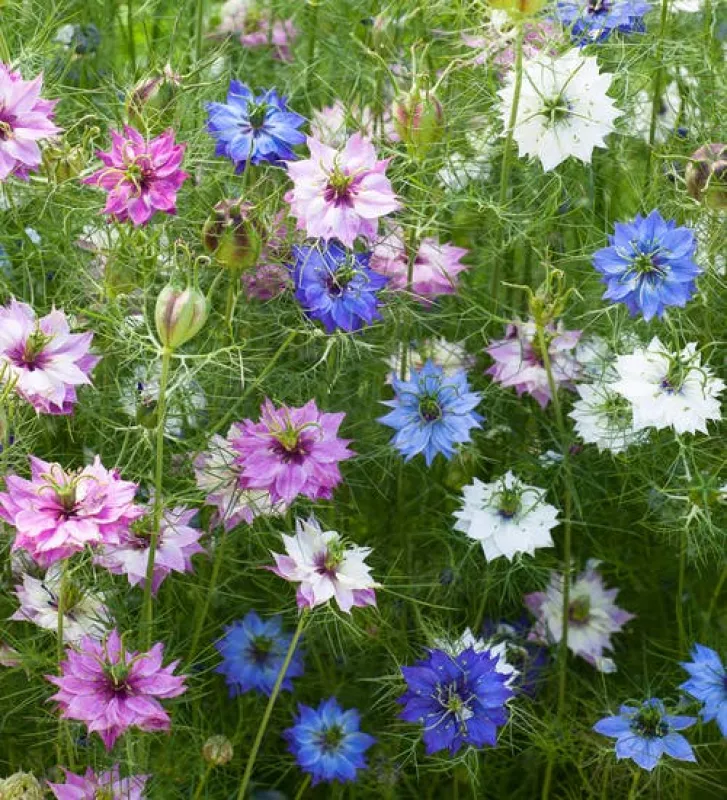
41 359
25 120
140 176
340 193
58 513
325 568
93 786
255 27
331 125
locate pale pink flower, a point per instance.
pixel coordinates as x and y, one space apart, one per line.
332 124
256 29
496 41
107 785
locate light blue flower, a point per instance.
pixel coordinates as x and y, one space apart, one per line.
708 683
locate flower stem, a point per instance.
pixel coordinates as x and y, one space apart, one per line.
147 609
680 593
715 597
312 39
634 785
202 782
302 789
202 616
271 703
658 82
198 30
131 44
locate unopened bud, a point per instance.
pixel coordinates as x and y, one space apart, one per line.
232 236
707 175
157 91
179 315
419 119
217 750
61 161
21 786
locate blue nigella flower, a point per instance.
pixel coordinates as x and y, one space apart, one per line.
254 128
644 733
649 265
327 743
459 700
595 20
253 651
529 658
336 286
432 412
708 683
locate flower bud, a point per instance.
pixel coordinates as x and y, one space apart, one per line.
232 236
707 175
21 786
179 315
62 161
419 119
217 750
156 91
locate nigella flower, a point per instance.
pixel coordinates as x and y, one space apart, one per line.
519 361
452 357
649 265
341 194
327 742
59 513
177 542
456 645
253 651
111 689
459 700
325 568
506 516
256 28
92 786
527 657
254 128
432 412
291 451
140 176
84 613
336 286
646 732
42 359
596 20
593 616
604 418
708 684
25 119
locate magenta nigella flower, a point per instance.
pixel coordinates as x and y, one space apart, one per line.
292 451
141 177
340 194
42 359
107 784
519 364
112 689
176 544
58 513
25 119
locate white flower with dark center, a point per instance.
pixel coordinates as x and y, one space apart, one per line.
507 517
495 649
563 109
669 390
604 418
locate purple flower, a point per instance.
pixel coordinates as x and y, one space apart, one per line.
266 281
708 684
644 733
111 689
141 177
59 513
595 20
42 359
291 452
92 786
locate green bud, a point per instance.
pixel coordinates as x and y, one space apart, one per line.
419 119
217 750
179 315
232 236
21 786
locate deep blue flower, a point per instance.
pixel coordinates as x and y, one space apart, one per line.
648 265
708 683
459 700
327 743
644 733
253 651
336 286
595 20
254 128
432 412
528 657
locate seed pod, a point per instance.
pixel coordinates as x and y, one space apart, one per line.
179 315
217 750
232 236
706 175
419 119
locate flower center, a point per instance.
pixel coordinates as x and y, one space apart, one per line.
117 675
617 411
141 530
648 723
508 503
579 611
598 6
139 175
338 188
643 264
291 445
556 108
32 356
256 115
331 738
260 650
337 281
6 129
429 409
452 698
327 561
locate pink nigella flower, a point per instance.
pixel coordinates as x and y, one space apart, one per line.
58 513
256 29
112 689
497 40
324 567
107 784
25 119
332 124
141 177
518 362
340 194
42 359
291 451
436 266
593 616
176 544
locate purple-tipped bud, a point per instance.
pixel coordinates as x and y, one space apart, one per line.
707 175
179 315
232 236
157 90
419 119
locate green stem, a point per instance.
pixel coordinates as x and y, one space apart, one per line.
202 782
634 786
4 49
198 30
680 594
715 597
131 44
312 40
301 791
271 703
202 616
657 85
148 613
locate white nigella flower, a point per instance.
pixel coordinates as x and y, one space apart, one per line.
669 390
495 649
85 614
507 517
666 118
563 109
604 418
450 356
